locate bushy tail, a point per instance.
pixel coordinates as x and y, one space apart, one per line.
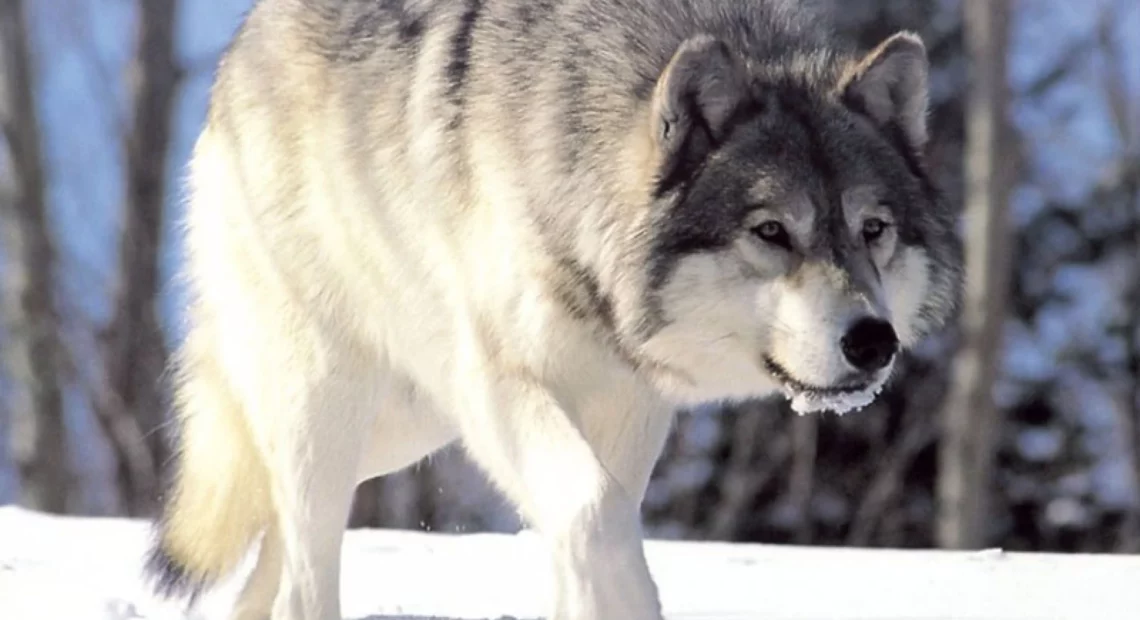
218 496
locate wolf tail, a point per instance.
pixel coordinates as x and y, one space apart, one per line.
217 500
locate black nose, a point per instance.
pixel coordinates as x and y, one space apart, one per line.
870 344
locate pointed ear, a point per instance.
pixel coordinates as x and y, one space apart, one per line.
694 100
889 85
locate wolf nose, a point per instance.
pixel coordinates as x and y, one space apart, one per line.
869 344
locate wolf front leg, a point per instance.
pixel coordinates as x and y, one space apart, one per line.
539 456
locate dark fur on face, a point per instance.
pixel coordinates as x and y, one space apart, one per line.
796 141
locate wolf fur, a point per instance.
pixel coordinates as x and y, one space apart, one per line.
536 227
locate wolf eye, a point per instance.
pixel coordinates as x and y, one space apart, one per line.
773 232
873 228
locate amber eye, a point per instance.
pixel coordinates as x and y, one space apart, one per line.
873 229
773 232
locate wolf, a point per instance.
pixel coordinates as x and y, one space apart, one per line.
536 229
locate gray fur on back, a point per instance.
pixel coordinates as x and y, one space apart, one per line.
554 90
576 69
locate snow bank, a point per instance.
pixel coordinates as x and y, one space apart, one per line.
87 569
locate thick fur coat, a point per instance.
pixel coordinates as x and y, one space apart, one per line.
536 227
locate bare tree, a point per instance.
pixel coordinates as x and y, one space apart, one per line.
134 348
1125 114
32 352
969 421
1129 534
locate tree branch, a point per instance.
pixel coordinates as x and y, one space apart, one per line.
33 353
134 348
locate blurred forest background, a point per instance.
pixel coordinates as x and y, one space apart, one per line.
1018 428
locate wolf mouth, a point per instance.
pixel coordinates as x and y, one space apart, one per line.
783 376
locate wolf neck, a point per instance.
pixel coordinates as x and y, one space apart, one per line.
599 224
567 101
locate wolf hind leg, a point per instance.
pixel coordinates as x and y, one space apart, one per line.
255 601
406 430
313 497
310 396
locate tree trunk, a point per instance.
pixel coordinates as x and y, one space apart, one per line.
970 422
33 353
1129 533
1125 114
134 348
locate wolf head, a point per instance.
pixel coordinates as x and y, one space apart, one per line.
797 243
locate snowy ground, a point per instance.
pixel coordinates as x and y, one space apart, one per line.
87 569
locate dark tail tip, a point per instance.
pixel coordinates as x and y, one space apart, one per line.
169 578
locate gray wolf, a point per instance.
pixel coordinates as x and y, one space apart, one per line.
536 229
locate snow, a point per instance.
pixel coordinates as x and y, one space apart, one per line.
83 568
839 403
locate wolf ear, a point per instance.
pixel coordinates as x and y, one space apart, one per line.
693 102
889 85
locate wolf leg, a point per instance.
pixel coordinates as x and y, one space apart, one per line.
310 395
313 496
405 430
533 450
255 601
